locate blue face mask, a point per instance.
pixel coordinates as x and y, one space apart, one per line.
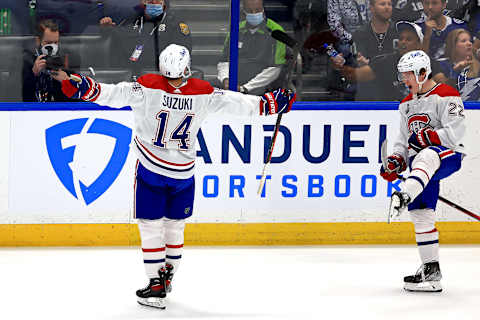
153 10
254 19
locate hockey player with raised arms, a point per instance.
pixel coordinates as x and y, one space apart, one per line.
168 112
432 125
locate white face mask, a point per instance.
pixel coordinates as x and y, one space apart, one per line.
50 49
254 19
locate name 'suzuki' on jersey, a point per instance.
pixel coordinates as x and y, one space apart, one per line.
177 103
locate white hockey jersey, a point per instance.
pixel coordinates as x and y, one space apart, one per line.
441 109
167 119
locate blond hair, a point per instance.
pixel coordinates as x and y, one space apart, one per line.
450 45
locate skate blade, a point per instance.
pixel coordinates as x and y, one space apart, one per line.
152 302
427 286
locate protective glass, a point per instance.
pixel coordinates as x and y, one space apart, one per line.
153 1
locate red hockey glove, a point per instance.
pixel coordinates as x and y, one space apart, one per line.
395 165
277 101
423 138
81 87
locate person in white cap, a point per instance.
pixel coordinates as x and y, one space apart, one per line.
168 110
384 82
432 126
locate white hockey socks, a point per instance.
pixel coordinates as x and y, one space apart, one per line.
426 234
152 234
174 236
424 166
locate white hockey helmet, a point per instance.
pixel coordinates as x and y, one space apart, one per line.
174 62
416 61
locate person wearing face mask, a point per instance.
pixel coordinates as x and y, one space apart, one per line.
261 58
40 64
138 40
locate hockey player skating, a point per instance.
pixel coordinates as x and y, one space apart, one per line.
431 129
168 111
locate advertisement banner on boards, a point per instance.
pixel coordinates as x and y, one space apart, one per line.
77 167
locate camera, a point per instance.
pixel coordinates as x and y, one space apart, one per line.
54 62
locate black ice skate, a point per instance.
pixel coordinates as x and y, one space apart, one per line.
398 203
168 277
155 293
427 279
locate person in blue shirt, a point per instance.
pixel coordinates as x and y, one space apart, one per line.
436 26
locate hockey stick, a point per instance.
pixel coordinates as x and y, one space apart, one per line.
383 155
292 43
269 156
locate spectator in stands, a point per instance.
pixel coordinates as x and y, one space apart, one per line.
41 63
345 17
377 37
412 10
436 26
462 66
138 40
261 59
379 70
407 10
310 18
459 9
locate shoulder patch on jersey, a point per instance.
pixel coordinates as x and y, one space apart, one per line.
184 28
153 81
196 86
137 89
444 90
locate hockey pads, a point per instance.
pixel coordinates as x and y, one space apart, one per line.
277 101
81 87
395 165
423 138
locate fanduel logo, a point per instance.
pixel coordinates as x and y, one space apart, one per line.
62 157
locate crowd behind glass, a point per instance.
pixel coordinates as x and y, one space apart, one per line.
120 40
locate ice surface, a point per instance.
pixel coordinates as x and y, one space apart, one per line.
238 283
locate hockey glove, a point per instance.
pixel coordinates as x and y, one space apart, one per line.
423 138
395 165
277 101
81 87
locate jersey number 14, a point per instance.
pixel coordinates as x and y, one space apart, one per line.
180 134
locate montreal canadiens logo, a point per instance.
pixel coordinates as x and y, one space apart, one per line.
417 122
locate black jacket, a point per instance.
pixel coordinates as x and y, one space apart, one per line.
154 36
41 88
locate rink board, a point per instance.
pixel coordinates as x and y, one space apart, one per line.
67 179
238 234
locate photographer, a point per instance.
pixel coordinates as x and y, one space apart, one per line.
40 64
